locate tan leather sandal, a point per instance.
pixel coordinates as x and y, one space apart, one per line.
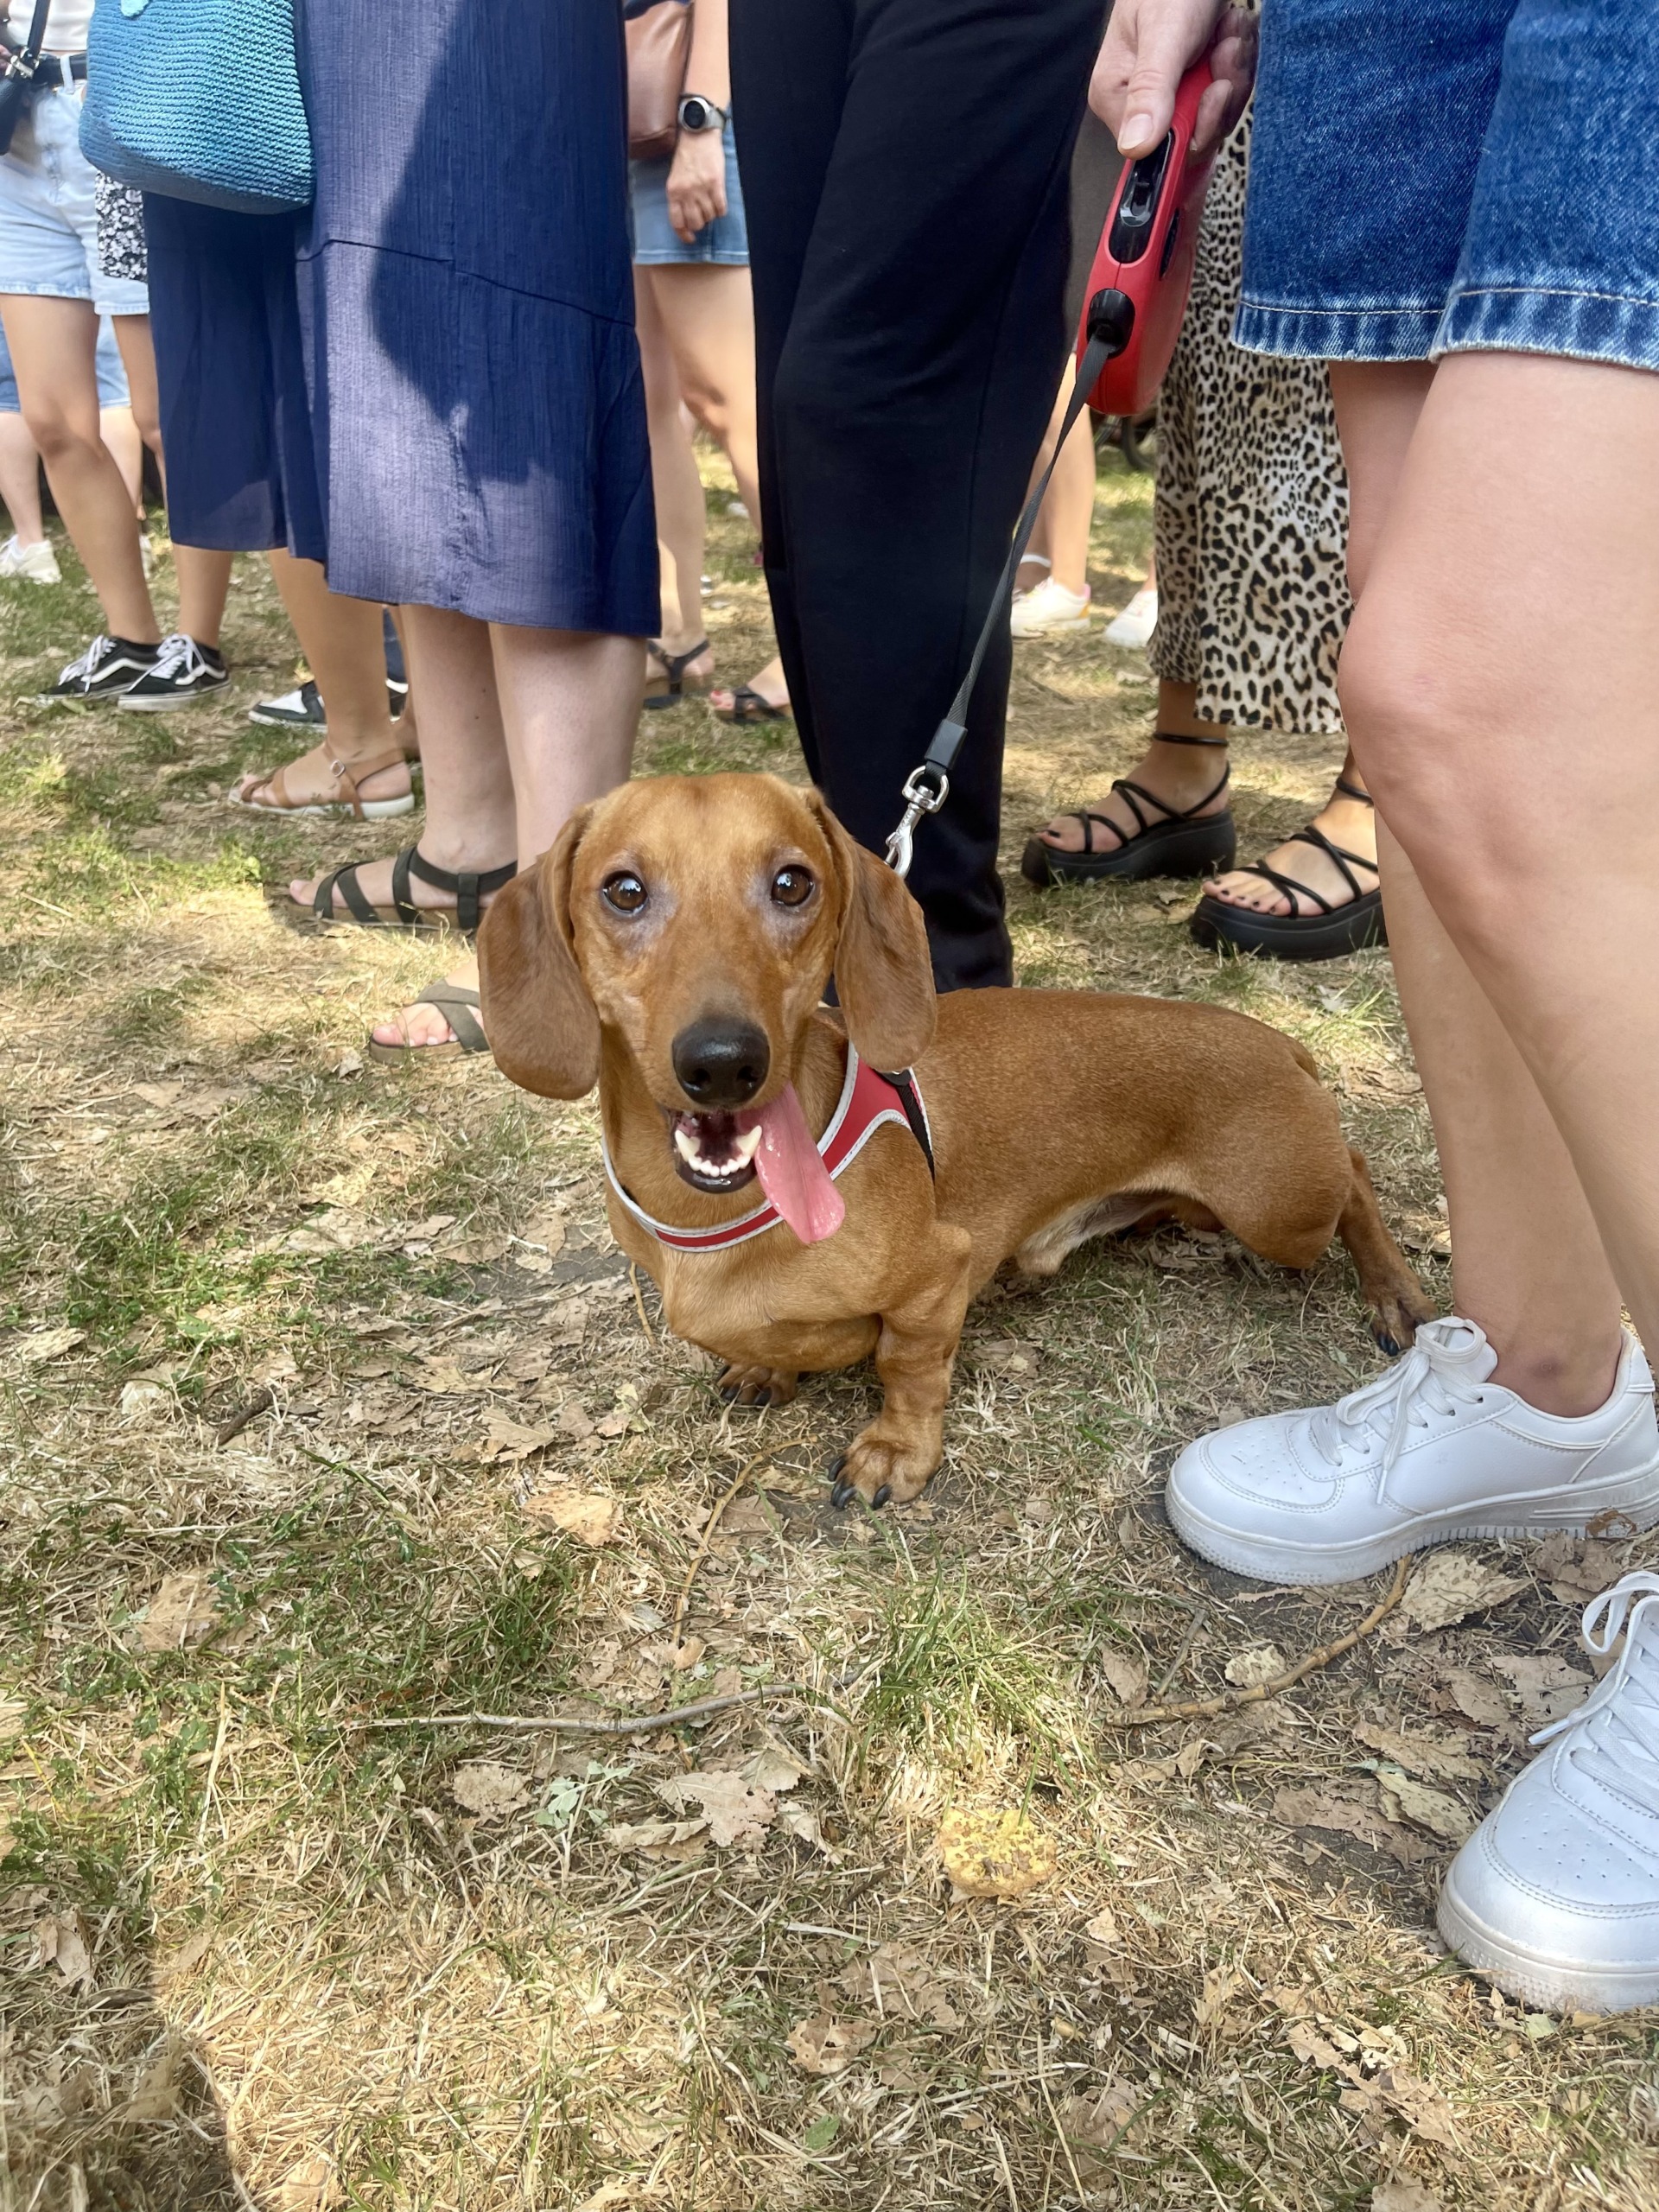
347 796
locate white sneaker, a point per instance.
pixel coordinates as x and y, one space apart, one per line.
1135 625
39 563
1555 1897
1431 1452
1048 609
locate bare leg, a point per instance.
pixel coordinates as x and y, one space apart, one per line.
568 705
1462 729
53 346
681 517
707 315
120 434
204 576
1068 508
20 480
343 641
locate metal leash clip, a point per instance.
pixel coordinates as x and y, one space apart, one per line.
927 789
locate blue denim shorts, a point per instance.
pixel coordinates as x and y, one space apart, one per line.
1438 176
725 241
48 214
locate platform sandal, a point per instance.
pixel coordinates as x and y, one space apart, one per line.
346 798
747 706
1326 935
467 890
1184 841
458 1004
675 665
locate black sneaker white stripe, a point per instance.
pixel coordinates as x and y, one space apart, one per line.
182 672
109 667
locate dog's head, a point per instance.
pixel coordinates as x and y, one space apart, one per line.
697 918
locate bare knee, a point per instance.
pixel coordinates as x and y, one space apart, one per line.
59 435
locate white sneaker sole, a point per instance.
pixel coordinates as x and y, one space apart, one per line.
155 704
1570 1510
1063 625
1553 1985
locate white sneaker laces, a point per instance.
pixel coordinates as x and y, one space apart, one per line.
177 656
1618 1725
1441 1374
89 662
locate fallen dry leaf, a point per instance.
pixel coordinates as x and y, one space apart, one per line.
1450 1585
1576 1568
488 1789
507 1438
11 1717
1476 1700
900 1983
1390 2092
545 1236
736 1809
478 1251
571 1420
1547 1688
40 1345
1429 1756
1348 1815
994 1854
1220 1986
1127 1677
652 1836
1092 2125
1009 1356
826 2046
613 1424
1256 1662
181 1613
1436 1810
1401 2193
1102 1929
66 1943
175 1966
441 1378
312 2185
584 1516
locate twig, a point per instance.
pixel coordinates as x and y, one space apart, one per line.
1199 1621
639 1303
250 1409
1212 1708
635 1725
708 1527
1066 2140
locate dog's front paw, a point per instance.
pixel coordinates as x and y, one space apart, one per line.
745 1385
877 1469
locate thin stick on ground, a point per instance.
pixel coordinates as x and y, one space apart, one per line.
704 1540
635 1725
1212 1708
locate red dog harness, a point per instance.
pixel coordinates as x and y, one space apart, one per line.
867 1101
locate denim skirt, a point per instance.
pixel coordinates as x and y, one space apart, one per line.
1438 176
657 242
468 307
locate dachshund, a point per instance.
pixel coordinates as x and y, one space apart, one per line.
808 1185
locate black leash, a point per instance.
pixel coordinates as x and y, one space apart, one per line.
1111 318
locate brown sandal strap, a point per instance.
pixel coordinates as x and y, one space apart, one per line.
348 782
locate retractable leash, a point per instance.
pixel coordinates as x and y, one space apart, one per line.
1138 286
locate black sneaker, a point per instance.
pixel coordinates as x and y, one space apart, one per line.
184 672
109 667
301 710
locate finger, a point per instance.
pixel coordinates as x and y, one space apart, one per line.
1214 120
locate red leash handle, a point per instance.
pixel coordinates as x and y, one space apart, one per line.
1142 269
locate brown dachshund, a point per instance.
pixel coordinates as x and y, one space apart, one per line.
674 946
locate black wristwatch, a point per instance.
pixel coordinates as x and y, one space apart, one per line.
697 113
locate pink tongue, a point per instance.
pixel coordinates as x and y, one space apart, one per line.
792 1173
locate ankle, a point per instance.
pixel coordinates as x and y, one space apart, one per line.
1568 1382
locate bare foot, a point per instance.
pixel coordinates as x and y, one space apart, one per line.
768 685
1179 776
420 1024
1350 823
314 780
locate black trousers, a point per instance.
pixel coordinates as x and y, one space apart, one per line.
904 168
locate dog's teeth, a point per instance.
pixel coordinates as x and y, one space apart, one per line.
748 1143
686 1145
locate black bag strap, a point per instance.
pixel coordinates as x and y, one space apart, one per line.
36 39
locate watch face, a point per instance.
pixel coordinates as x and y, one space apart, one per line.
695 113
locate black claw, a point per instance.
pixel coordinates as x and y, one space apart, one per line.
1388 1343
762 1398
883 1495
842 1495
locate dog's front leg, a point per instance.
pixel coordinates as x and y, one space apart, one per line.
898 1452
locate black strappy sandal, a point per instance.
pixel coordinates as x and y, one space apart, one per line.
458 1004
676 666
467 890
1326 935
1186 842
747 706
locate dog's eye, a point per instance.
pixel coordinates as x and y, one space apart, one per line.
791 886
623 892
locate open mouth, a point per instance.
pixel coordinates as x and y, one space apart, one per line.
715 1152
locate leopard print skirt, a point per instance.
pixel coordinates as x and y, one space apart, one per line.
1250 521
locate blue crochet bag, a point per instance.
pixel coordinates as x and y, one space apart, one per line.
199 99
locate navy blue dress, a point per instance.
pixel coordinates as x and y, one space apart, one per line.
467 302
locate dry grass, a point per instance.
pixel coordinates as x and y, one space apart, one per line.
294 1968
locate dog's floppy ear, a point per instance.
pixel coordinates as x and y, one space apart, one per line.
884 972
542 1025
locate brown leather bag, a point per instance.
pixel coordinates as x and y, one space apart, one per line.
659 50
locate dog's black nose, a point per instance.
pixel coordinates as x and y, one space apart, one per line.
721 1064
